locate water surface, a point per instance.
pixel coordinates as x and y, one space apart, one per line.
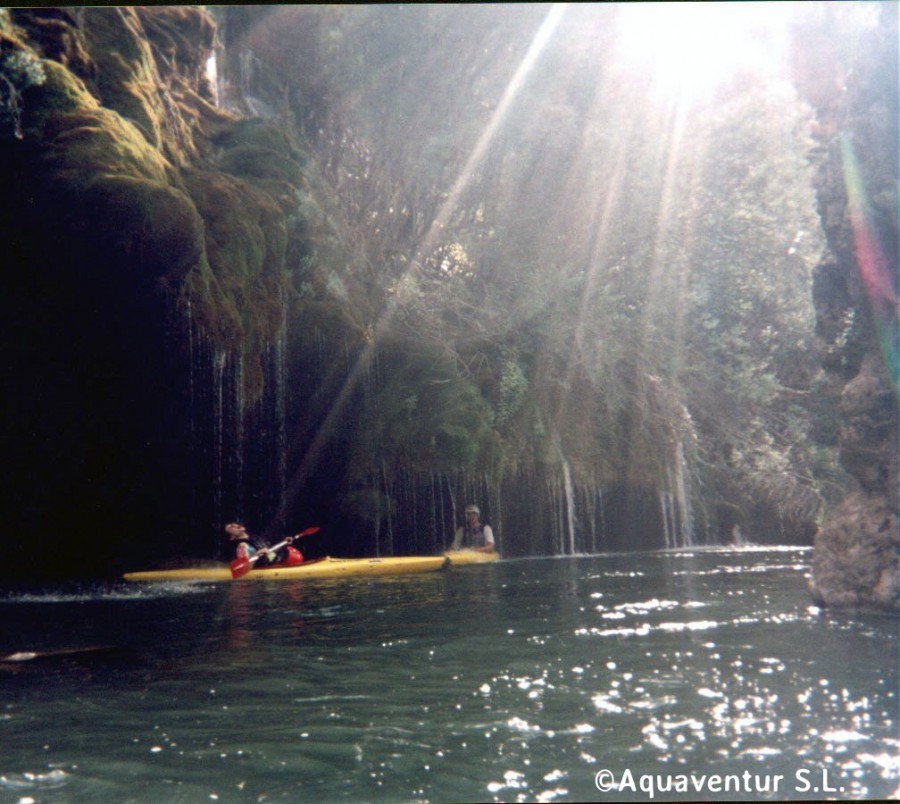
527 680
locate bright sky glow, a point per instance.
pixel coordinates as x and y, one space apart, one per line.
688 49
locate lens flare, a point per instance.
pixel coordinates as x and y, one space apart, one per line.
872 263
513 90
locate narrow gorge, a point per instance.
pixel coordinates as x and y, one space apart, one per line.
332 266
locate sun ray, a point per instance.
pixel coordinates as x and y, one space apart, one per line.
872 264
487 136
511 92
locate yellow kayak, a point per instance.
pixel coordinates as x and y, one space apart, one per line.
324 568
460 557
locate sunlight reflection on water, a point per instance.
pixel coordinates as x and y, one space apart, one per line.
514 682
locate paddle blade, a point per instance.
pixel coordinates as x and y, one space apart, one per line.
307 532
240 567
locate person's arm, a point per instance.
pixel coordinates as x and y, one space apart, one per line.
457 539
488 540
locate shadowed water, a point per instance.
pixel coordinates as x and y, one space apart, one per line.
527 680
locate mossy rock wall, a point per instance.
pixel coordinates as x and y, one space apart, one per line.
141 221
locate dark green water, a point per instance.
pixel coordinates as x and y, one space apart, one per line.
528 680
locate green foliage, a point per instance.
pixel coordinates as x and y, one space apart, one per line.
418 413
614 278
600 286
513 388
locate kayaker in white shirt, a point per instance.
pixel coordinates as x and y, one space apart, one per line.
474 535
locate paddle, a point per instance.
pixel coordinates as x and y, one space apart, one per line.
241 566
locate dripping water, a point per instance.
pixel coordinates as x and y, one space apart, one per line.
570 504
212 77
278 385
238 392
664 508
218 366
684 504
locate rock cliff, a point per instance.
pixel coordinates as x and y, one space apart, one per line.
144 246
856 549
156 244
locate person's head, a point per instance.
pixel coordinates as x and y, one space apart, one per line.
473 514
236 531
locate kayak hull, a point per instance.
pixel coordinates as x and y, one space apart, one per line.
324 568
460 558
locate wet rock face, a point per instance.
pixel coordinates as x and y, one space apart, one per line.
855 558
114 170
869 430
856 550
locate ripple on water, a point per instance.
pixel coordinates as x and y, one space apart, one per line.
34 782
116 593
508 683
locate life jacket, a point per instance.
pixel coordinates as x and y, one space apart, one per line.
245 549
294 557
474 536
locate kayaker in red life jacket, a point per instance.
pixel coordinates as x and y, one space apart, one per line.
247 548
474 535
238 533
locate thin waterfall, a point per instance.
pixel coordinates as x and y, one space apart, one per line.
210 433
192 391
673 509
684 503
412 486
199 380
560 508
219 360
389 503
602 508
590 511
570 504
673 520
664 508
561 524
238 451
498 517
192 397
245 78
212 77
276 390
281 414
434 544
453 519
556 515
